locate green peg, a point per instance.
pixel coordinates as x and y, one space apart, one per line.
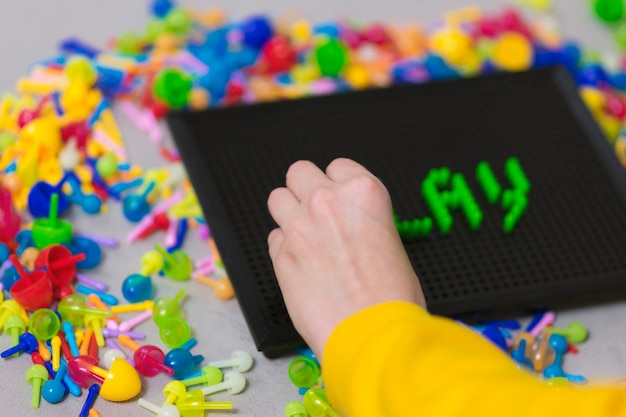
575 332
74 307
177 265
317 405
488 181
303 372
51 231
44 324
174 332
15 326
609 11
193 405
467 203
295 409
166 307
9 308
209 375
36 376
516 175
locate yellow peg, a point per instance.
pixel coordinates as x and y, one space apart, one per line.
56 352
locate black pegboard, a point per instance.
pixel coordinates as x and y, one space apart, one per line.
569 243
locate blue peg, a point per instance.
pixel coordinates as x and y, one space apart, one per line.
107 298
120 187
135 206
94 390
181 231
137 288
24 239
70 337
90 203
39 198
54 389
87 246
27 343
182 361
519 355
4 252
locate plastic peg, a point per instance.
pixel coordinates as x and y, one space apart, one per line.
92 394
107 298
96 323
182 361
120 383
74 307
148 358
234 383
167 410
316 403
116 332
15 326
9 308
90 203
51 230
93 283
44 324
166 307
43 351
60 264
295 409
136 206
33 290
54 390
209 375
222 287
173 391
546 320
240 360
174 332
194 405
10 220
137 288
24 239
170 234
36 376
304 372
161 208
151 263
55 344
176 265
135 321
575 332
129 308
27 343
160 221
70 337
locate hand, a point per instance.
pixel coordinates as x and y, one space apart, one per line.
336 250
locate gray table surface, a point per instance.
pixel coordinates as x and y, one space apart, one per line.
30 30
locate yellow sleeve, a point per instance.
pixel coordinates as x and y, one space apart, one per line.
396 360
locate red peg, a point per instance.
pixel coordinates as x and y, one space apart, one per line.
148 358
65 347
33 290
93 346
278 55
60 263
10 220
159 222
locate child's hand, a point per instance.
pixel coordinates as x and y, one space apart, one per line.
336 250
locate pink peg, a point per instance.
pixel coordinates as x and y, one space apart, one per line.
170 235
109 143
546 320
130 324
204 262
205 270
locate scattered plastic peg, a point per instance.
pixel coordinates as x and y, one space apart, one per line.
209 375
10 220
44 324
15 326
60 264
54 390
70 337
137 288
90 203
239 360
129 308
36 376
148 358
161 208
555 371
546 320
39 198
136 206
33 290
96 323
138 319
93 283
173 391
43 351
92 394
176 265
234 383
5 252
9 308
316 403
74 307
55 344
194 405
89 247
160 221
519 355
151 263
575 332
295 409
304 372
167 410
222 288
174 332
27 343
120 383
51 230
116 332
166 307
182 361
24 239
107 298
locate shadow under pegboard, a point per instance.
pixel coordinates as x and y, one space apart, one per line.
565 244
